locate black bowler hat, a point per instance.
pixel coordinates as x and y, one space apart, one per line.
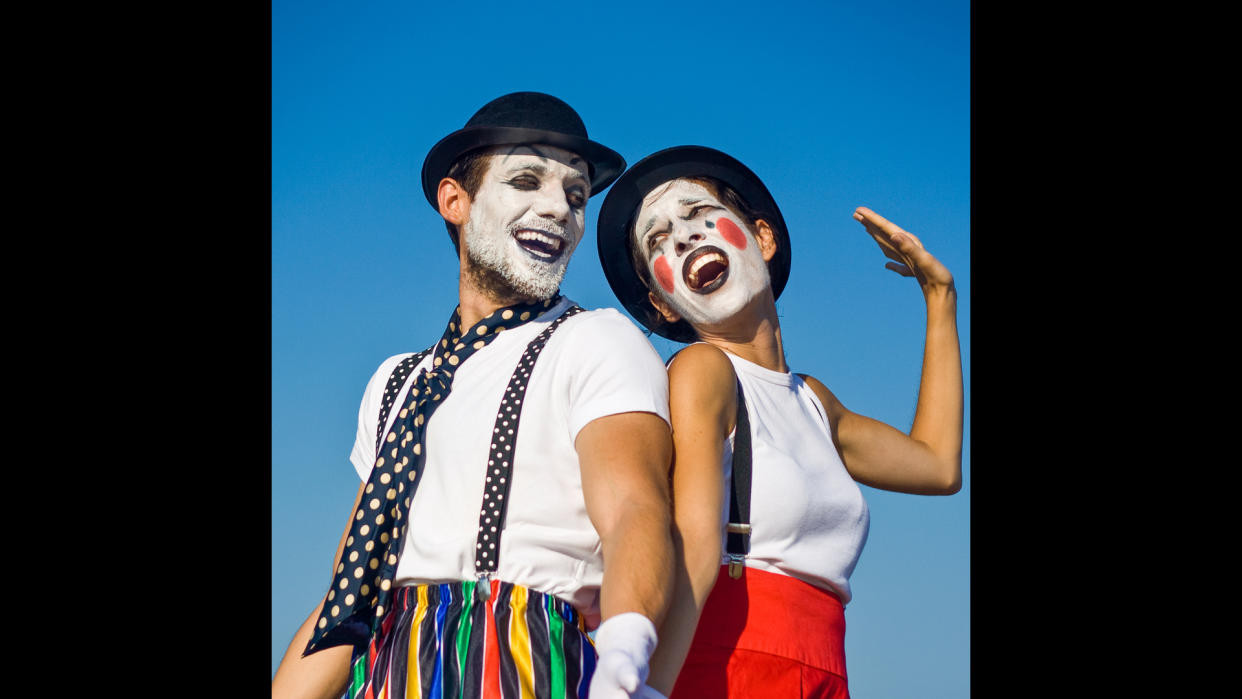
517 118
622 204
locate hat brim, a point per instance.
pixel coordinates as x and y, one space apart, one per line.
622 204
605 163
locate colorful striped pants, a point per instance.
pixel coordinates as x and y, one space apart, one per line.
443 642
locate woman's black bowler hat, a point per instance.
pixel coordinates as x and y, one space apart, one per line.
621 206
517 118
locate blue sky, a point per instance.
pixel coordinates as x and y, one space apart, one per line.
834 105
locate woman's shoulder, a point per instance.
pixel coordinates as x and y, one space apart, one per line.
702 370
702 386
701 358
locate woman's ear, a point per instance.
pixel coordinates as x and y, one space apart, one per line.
453 200
766 237
665 310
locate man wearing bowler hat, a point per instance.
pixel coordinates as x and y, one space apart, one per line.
514 475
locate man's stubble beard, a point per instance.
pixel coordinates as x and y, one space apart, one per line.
491 269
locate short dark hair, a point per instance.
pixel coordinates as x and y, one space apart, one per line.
468 171
638 257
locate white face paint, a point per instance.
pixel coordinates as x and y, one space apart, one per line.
706 263
527 218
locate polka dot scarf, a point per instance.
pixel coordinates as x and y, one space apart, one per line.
362 581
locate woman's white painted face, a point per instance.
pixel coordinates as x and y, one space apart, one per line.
527 217
705 262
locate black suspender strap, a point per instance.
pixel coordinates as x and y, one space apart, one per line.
500 459
738 529
395 381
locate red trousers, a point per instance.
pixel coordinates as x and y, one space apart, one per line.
766 635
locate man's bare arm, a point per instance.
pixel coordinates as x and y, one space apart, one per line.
321 675
625 464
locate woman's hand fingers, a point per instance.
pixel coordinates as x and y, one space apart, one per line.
909 257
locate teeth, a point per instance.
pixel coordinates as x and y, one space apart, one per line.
539 237
709 257
703 260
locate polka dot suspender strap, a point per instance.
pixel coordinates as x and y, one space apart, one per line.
500 458
738 540
361 587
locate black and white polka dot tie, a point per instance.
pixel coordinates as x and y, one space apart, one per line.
362 580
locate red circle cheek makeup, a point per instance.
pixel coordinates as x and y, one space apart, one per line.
731 233
664 273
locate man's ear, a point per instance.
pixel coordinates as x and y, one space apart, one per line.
453 200
766 237
663 308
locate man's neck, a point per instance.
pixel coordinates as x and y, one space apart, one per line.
476 303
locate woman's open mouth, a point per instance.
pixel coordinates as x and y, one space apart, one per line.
705 269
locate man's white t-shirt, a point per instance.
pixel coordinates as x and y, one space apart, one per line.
595 364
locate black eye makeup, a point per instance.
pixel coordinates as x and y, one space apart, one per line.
655 237
524 182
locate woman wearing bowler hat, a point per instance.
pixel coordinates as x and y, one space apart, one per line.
695 247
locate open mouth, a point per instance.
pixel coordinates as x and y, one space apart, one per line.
540 244
705 269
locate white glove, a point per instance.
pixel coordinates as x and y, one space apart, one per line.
624 644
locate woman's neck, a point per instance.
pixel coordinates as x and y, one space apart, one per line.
753 334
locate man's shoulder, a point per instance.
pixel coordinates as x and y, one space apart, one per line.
389 365
603 318
606 336
609 367
391 362
605 325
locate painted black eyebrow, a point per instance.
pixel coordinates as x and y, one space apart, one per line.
684 202
538 168
576 160
541 154
699 203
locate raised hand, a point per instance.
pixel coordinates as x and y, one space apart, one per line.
909 257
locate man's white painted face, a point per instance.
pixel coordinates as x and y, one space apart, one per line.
527 217
706 264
